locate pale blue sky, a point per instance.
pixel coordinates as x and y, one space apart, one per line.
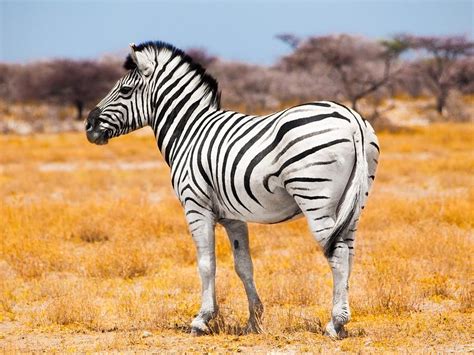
234 30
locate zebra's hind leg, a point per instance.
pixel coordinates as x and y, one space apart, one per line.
237 232
340 261
322 221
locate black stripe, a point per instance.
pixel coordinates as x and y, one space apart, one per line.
179 127
234 164
163 81
304 179
302 155
170 118
376 146
313 209
193 212
202 123
358 123
182 137
299 139
311 197
321 104
288 218
194 201
322 230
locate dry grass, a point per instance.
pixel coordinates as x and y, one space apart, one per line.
94 251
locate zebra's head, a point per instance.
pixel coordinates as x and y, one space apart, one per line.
127 106
134 101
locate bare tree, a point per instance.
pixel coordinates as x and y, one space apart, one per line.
244 86
29 82
201 56
359 66
290 39
80 82
7 74
463 73
409 81
60 81
440 62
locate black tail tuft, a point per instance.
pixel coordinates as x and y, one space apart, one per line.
339 230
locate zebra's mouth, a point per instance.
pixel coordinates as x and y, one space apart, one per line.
99 136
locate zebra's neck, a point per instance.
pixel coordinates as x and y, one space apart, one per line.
184 93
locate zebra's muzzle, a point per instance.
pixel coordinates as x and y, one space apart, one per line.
98 136
94 133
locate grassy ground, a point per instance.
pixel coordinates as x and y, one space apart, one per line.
94 254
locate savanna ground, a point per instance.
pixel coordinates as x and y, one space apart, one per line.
95 255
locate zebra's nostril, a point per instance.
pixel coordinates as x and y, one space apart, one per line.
88 126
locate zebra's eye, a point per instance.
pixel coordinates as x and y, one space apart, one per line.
125 89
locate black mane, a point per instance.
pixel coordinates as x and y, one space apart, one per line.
209 80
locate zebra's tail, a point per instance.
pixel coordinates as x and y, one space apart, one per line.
353 196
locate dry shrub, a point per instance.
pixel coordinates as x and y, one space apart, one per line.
459 212
387 287
33 258
7 299
225 323
295 320
125 259
143 309
69 302
68 310
8 291
435 285
466 298
155 304
93 233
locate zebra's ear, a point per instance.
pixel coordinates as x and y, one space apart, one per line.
144 64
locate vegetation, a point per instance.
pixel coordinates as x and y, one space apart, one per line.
446 63
340 67
95 255
61 82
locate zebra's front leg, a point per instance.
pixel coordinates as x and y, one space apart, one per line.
202 231
238 234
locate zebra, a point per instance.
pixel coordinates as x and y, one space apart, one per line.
316 160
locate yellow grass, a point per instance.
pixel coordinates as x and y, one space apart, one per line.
94 251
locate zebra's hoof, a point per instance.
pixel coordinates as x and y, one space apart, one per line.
253 328
199 328
335 333
196 332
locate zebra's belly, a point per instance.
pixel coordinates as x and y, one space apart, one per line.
278 206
